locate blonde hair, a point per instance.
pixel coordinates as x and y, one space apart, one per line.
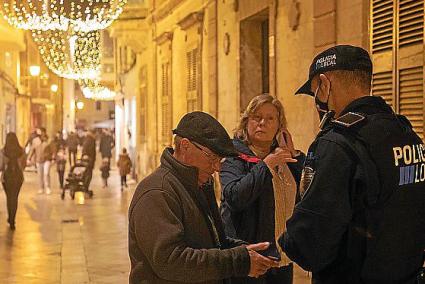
241 131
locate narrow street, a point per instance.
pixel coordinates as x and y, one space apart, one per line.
61 241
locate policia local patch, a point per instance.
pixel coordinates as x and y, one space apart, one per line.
411 162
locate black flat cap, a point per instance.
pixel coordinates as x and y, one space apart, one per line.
340 57
204 129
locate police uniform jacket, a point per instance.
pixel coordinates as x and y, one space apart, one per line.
175 230
362 215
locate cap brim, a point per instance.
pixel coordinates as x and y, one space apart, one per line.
305 89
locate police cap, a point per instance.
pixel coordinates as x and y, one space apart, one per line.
340 57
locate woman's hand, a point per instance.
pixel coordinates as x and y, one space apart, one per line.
286 141
279 157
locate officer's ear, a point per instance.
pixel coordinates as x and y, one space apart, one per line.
325 84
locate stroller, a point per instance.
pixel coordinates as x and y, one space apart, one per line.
77 180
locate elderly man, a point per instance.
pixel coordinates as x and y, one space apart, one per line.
175 230
362 215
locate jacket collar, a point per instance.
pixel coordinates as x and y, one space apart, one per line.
367 105
187 175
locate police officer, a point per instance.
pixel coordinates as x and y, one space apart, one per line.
362 214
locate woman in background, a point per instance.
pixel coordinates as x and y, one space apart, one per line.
13 165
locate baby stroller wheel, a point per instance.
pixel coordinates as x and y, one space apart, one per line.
90 192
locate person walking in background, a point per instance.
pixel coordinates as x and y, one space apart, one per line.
89 150
104 169
72 144
38 153
12 164
106 144
124 166
260 185
61 165
49 155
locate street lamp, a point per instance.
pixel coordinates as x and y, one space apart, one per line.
54 88
80 105
34 70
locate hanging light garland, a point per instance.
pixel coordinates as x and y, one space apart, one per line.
72 55
92 89
77 15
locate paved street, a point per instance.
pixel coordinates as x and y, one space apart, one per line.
64 242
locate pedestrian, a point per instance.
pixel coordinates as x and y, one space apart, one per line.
33 141
175 230
89 150
362 214
40 158
259 186
106 144
48 157
72 144
104 169
61 165
12 165
124 166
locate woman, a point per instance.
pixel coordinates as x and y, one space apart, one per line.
12 178
259 186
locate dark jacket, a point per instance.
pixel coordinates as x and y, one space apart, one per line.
72 142
105 146
175 231
360 220
13 165
89 149
247 207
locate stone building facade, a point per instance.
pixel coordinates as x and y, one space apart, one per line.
216 55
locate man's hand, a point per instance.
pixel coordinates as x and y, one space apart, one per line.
259 264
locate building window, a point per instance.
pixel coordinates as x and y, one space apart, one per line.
166 103
397 48
143 96
193 77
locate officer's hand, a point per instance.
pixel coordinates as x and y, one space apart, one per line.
279 157
259 264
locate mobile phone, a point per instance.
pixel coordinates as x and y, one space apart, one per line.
271 252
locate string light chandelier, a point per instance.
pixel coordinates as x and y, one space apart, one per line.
92 89
70 54
63 15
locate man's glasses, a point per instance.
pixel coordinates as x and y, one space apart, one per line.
213 158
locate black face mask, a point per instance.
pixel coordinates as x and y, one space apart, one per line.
322 107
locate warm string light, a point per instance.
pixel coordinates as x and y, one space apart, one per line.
92 89
76 15
72 55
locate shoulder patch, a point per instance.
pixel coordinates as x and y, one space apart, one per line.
349 119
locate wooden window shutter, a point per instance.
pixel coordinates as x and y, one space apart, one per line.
382 25
411 22
382 85
193 77
411 97
166 104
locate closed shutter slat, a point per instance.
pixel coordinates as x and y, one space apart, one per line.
382 25
411 22
382 85
411 97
